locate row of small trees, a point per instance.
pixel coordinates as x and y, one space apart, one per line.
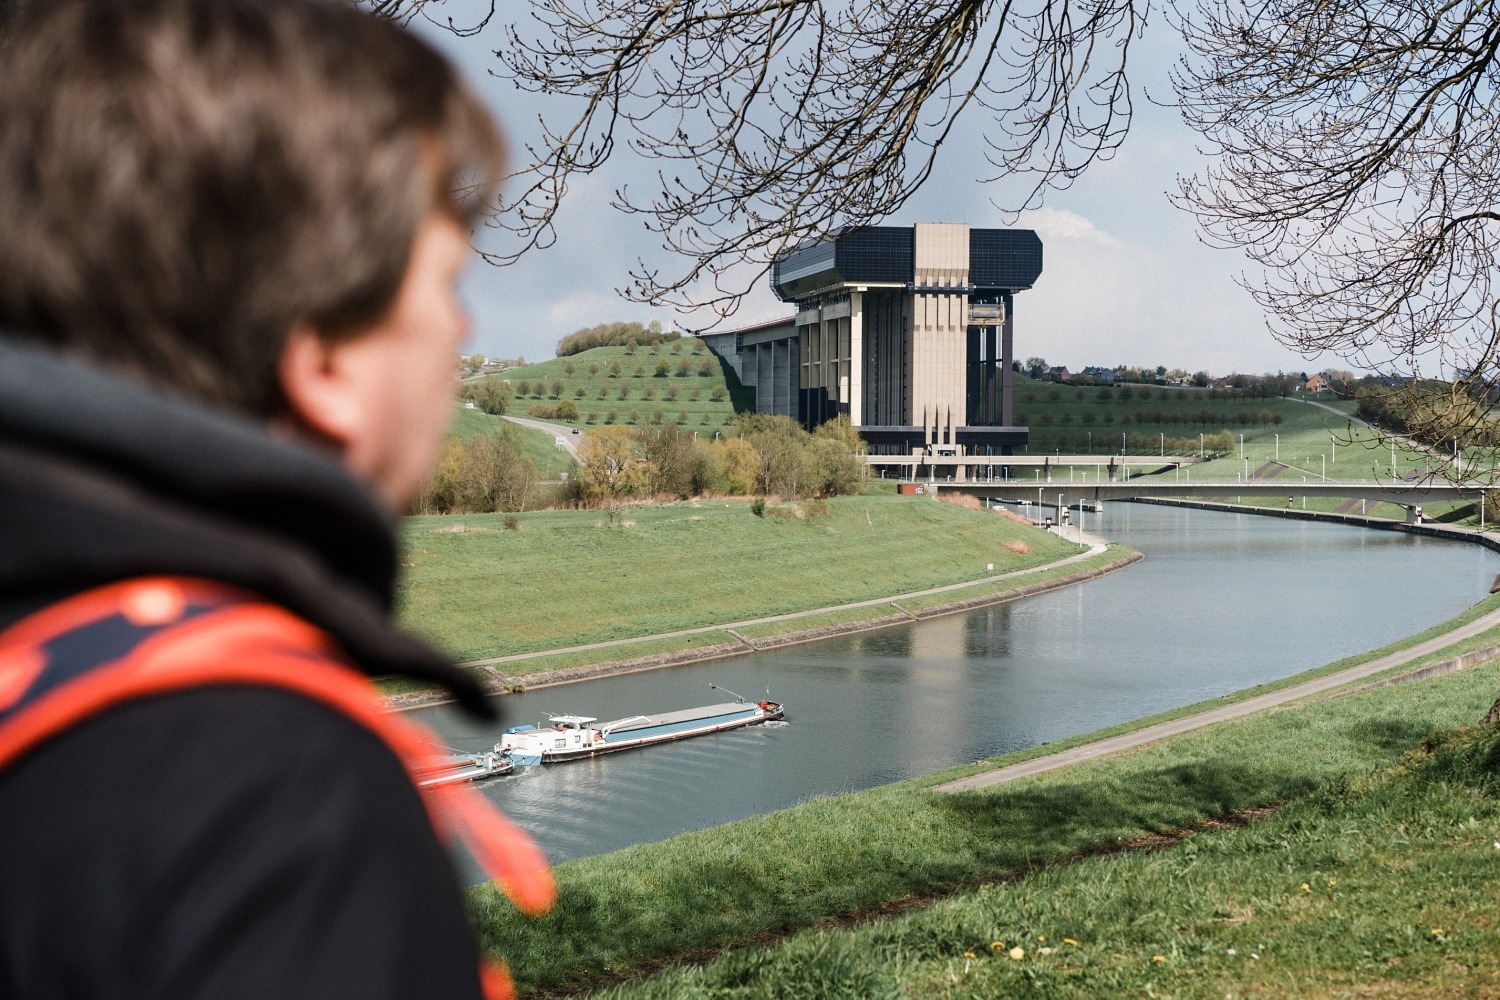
1163 418
771 455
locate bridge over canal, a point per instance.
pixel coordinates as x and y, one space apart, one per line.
1040 479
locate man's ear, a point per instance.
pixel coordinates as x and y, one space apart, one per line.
322 398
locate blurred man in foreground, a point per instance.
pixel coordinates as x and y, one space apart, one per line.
230 232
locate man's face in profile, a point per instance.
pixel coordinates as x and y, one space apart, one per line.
403 366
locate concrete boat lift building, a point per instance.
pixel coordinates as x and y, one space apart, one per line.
906 330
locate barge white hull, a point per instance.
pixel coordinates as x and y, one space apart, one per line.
577 738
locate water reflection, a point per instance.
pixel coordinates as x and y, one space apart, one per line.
1221 602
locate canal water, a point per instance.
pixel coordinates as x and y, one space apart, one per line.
1221 602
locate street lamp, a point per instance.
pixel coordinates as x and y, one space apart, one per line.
1163 443
1122 444
1200 444
1242 446
1278 447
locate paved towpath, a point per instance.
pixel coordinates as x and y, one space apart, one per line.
1129 741
1095 544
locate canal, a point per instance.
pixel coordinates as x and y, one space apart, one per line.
1220 603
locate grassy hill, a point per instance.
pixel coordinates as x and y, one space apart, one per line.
621 385
570 577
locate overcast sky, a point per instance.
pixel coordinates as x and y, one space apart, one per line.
1125 280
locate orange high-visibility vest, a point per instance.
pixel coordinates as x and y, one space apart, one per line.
153 635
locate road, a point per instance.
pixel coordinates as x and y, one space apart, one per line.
562 432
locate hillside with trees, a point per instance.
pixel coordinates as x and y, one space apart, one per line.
624 334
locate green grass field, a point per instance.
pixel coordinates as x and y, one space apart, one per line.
614 385
571 577
1298 852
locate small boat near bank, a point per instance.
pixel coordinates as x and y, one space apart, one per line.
575 737
463 767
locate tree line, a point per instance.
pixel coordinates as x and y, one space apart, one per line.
771 455
481 474
625 334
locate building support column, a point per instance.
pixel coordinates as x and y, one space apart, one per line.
856 357
1007 362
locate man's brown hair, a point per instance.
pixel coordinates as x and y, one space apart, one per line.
182 181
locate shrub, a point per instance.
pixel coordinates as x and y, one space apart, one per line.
1018 547
814 508
512 523
567 410
718 394
541 411
758 506
663 368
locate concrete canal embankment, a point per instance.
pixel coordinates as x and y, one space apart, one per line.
883 612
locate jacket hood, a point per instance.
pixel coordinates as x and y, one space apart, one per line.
103 478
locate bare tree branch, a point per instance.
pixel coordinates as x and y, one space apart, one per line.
775 122
1356 151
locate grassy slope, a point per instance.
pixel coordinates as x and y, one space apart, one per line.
694 391
1310 441
539 446
1402 864
1376 884
568 577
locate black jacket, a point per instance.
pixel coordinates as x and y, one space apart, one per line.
223 841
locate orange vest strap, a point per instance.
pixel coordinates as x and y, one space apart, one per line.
240 640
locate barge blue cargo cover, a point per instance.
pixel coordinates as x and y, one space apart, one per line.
573 737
